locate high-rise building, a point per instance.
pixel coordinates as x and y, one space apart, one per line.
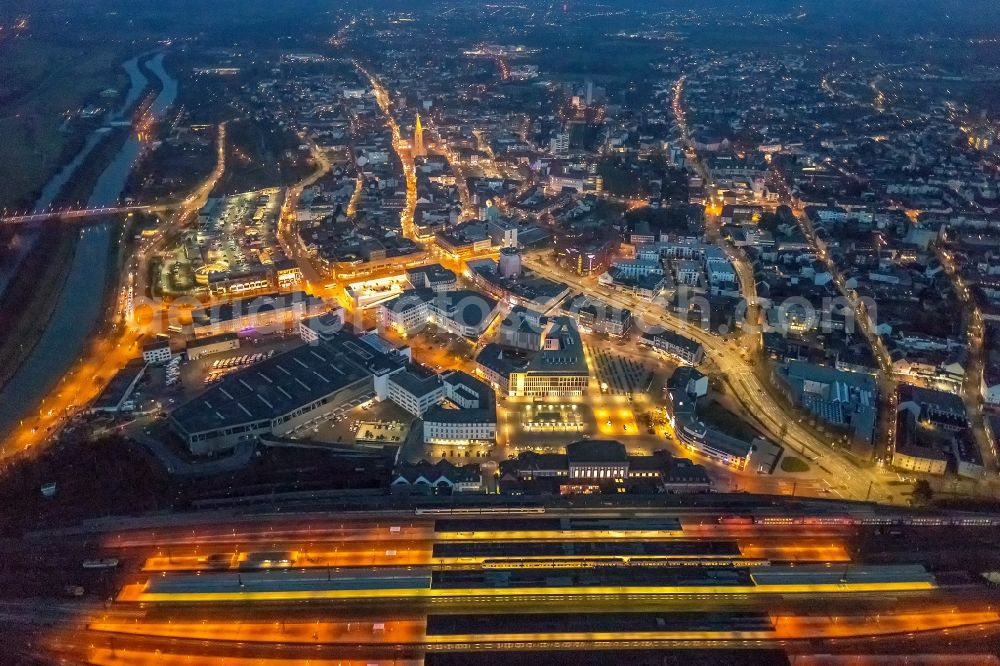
559 143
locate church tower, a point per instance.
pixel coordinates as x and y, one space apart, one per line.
418 139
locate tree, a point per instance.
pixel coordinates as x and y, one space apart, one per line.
922 492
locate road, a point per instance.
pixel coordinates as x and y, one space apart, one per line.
779 423
317 282
972 387
862 318
735 366
405 156
288 234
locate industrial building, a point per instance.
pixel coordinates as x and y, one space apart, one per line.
284 392
213 344
117 396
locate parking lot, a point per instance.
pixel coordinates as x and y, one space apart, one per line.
618 374
342 425
197 375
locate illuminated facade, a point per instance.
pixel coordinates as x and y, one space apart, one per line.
559 369
418 139
682 391
461 312
467 415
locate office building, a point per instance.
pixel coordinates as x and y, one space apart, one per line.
461 312
466 416
675 345
682 392
157 352
558 369
848 400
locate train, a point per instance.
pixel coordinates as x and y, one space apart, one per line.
866 518
476 510
859 517
102 563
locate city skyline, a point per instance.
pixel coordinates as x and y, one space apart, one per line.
463 333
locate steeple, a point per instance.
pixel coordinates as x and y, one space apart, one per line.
418 139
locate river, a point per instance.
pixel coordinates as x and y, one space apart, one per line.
81 300
27 237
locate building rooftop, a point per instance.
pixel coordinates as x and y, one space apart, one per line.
499 360
562 349
158 343
430 275
417 380
120 386
836 396
283 383
464 306
674 339
256 305
596 451
211 340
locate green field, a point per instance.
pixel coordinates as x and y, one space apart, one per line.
794 465
719 417
40 81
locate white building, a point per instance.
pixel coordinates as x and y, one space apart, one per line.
157 351
688 272
415 389
638 267
321 327
457 409
463 312
559 143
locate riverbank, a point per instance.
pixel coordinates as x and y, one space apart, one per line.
83 300
30 298
30 295
42 79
